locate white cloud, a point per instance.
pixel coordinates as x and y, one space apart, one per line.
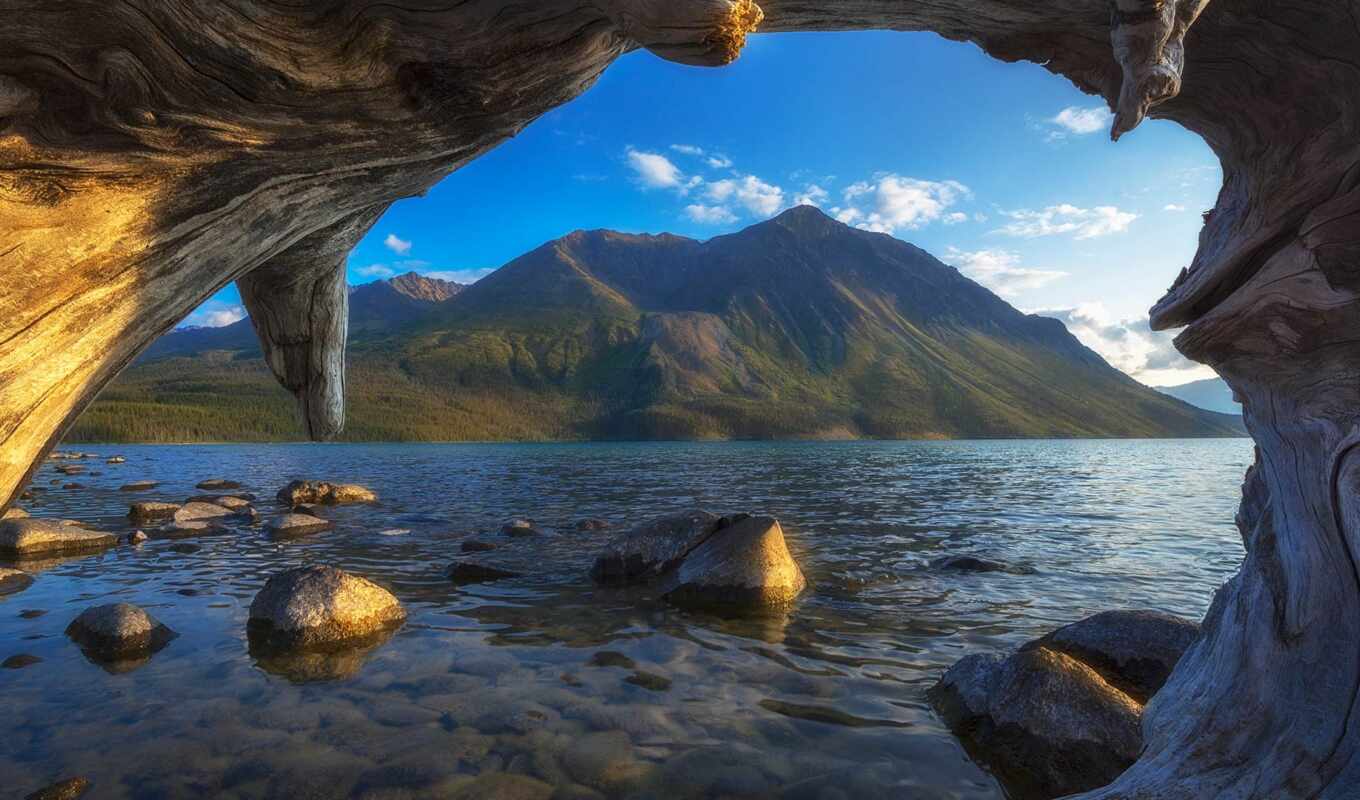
955 218
1129 345
892 202
1173 207
688 149
374 271
1078 121
397 245
213 314
758 197
1082 223
710 215
654 170
714 160
718 162
812 195
999 270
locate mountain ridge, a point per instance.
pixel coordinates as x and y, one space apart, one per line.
796 327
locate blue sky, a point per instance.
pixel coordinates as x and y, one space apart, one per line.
1003 170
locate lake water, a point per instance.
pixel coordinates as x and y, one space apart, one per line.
496 690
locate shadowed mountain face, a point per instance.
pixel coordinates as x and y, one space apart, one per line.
1211 393
796 327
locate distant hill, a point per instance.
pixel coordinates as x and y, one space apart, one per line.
1211 394
796 327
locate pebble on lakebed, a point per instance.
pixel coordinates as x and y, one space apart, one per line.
325 493
118 632
321 606
27 537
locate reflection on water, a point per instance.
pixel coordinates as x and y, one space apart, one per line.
495 689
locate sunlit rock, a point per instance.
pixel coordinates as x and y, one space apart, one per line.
24 538
742 566
650 549
1133 650
14 513
118 633
217 485
324 493
519 527
69 789
321 606
138 486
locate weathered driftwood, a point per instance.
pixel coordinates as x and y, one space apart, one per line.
153 151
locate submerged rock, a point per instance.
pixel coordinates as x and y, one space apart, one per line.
741 566
217 485
471 572
138 486
115 460
1043 722
474 546
320 606
330 494
965 563
200 512
519 527
13 581
1133 650
151 511
20 538
591 524
650 549
19 661
69 789
118 632
137 537
291 526
70 469
191 527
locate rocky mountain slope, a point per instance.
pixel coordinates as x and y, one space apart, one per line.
795 327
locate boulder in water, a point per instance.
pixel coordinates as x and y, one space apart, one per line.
217 485
325 493
151 511
137 537
118 631
115 460
591 524
70 469
138 486
203 512
744 565
22 538
474 546
14 513
1133 650
966 563
14 580
290 526
650 549
519 527
472 572
319 606
1046 724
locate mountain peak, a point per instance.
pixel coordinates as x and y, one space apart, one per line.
805 220
421 287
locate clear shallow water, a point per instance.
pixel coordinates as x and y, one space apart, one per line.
496 680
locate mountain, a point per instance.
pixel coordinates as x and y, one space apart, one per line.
1211 394
796 327
389 303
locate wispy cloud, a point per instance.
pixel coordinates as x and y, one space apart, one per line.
1081 223
714 160
891 202
1174 207
1078 121
464 276
397 245
214 314
1000 270
653 170
709 215
374 271
1130 345
812 195
752 193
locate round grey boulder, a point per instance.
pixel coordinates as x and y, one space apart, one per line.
319 606
650 549
1044 723
1134 650
743 566
325 493
118 631
292 526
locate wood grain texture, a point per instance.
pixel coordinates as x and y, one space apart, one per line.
151 151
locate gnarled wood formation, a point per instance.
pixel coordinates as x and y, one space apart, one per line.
152 151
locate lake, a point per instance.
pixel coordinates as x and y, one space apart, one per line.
505 680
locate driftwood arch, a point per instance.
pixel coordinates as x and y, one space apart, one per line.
151 151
